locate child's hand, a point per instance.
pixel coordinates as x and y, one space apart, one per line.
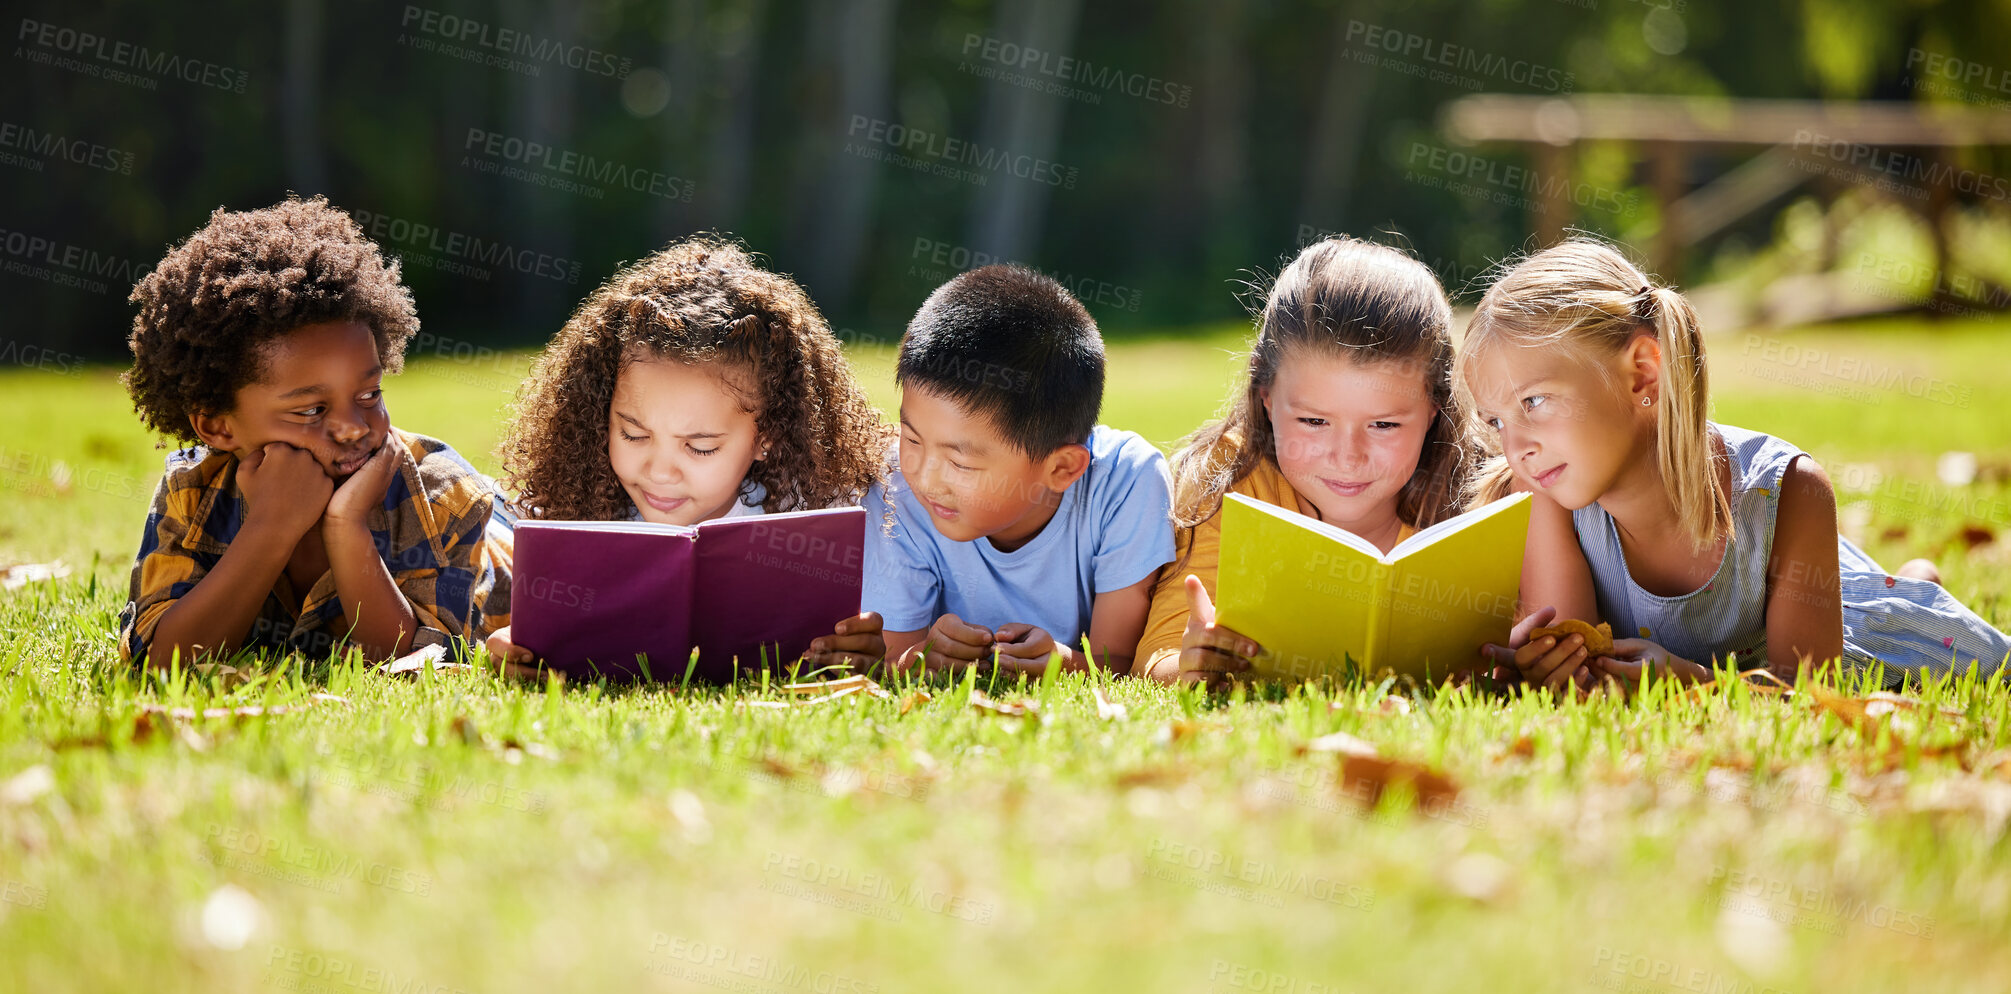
1633 657
1545 661
1209 653
512 660
855 641
1025 643
284 488
950 641
365 488
503 650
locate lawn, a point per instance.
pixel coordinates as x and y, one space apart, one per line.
461 833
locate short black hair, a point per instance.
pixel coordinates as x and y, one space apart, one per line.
213 304
1012 345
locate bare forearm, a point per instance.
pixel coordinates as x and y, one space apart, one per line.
216 614
377 615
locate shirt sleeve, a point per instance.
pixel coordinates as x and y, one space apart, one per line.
164 571
466 594
900 580
1137 534
1197 551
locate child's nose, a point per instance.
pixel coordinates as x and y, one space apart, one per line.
346 428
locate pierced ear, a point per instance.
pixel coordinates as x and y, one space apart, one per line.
214 430
1066 465
1643 365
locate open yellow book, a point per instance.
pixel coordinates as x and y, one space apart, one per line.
1320 599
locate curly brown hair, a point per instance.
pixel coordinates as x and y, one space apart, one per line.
704 299
246 278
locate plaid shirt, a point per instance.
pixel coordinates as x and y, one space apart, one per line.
444 532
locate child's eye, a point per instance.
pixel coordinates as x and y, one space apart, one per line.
696 451
961 466
1314 422
311 413
1532 403
370 396
1384 425
1494 423
628 437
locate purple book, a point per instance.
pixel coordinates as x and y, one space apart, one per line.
589 597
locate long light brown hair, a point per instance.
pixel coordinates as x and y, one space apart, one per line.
1371 304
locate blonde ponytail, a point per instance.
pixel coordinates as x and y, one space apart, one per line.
1582 296
1683 449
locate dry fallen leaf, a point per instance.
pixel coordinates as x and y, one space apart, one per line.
1340 742
834 689
16 577
1392 704
986 704
1867 714
1366 778
432 657
915 699
1105 709
24 787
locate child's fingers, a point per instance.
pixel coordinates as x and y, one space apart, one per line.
864 621
1011 632
1200 608
1221 640
1529 653
951 627
1535 619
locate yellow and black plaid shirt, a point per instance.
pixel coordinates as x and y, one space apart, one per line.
444 531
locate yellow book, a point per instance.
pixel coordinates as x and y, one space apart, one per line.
1322 600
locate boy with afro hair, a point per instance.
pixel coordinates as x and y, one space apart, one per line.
300 518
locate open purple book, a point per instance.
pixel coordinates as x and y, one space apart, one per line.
590 596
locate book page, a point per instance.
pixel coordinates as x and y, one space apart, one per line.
1311 598
1457 592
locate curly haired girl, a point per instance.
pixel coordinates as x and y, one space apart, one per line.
695 385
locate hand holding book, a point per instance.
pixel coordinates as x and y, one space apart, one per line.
1209 653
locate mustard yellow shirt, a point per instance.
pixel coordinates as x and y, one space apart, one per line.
1201 549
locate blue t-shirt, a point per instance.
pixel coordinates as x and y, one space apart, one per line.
1114 528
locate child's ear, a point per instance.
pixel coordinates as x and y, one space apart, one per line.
1064 466
214 430
1642 365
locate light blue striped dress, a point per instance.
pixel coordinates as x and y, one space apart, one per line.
1913 626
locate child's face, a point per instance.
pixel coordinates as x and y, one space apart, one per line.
681 439
1567 427
1349 434
319 389
974 483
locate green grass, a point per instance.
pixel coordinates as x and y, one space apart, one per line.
463 833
